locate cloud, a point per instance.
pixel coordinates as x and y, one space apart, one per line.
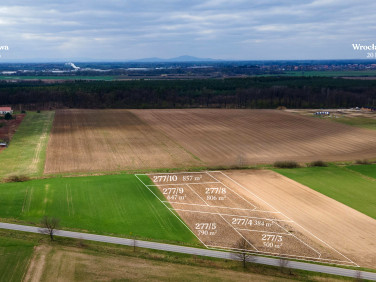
238 29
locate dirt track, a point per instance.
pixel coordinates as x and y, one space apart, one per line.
347 230
75 264
238 137
106 140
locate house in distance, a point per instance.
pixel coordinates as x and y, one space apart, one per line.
5 110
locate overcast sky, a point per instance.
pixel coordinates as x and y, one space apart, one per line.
232 29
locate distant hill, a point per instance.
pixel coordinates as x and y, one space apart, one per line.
184 58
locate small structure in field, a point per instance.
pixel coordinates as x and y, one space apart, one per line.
3 144
322 113
5 110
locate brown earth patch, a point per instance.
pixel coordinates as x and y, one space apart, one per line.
248 137
108 140
71 264
277 216
345 229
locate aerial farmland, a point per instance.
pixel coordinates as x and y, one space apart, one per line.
258 183
178 195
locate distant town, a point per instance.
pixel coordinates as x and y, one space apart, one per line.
187 67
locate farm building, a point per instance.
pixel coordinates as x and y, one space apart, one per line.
4 110
322 113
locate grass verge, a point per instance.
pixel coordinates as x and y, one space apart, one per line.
367 170
91 260
363 122
26 153
14 257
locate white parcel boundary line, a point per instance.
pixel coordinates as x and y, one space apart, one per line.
261 231
254 207
234 215
264 252
224 220
179 183
349 260
198 195
169 209
256 250
218 207
224 248
319 254
308 266
316 251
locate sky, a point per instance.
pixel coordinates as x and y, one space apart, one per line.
230 30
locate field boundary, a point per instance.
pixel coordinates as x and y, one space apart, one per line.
283 231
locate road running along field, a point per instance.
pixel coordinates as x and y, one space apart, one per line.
248 137
108 140
222 207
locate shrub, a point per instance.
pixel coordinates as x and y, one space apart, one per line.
38 111
8 116
23 112
17 178
286 164
318 163
365 161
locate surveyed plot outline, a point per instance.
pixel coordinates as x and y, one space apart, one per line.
197 179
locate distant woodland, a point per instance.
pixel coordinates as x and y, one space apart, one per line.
255 92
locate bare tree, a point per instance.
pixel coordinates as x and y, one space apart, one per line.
283 264
49 225
243 254
134 243
358 276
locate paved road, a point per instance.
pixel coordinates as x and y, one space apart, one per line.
195 251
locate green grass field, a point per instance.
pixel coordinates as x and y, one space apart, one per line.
362 122
367 170
112 205
14 258
27 150
339 183
331 73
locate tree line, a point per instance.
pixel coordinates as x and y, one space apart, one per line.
255 93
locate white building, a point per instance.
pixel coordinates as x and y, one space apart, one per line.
4 110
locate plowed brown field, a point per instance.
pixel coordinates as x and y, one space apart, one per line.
274 214
238 137
343 228
105 140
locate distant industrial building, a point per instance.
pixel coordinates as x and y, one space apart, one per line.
322 113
